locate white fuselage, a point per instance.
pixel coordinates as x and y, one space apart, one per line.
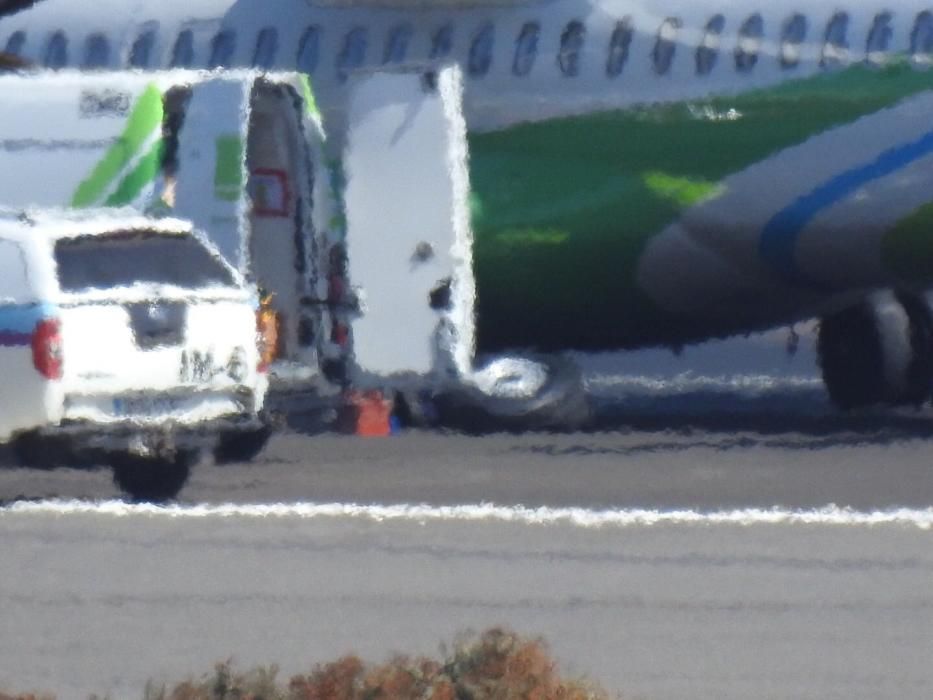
523 60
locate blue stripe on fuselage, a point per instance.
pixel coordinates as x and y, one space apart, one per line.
18 321
778 244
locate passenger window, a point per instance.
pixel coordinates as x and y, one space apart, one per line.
267 45
353 53
708 50
619 44
96 51
571 43
141 51
14 282
835 46
792 35
481 51
921 39
56 53
663 55
746 53
879 38
443 42
14 45
309 49
397 44
183 51
526 49
222 47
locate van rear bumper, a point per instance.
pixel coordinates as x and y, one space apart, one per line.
128 436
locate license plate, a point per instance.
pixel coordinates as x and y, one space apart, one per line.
144 406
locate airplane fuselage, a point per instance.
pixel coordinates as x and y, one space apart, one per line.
643 173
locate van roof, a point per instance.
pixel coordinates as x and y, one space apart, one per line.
68 223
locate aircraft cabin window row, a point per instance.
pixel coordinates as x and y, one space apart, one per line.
442 43
352 51
396 48
96 52
222 47
708 50
183 50
571 43
267 45
141 52
526 49
309 50
619 44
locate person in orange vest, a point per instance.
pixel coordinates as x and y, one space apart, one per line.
267 327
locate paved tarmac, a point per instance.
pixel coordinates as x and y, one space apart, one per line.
684 547
99 603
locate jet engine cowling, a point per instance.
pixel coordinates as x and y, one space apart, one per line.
879 351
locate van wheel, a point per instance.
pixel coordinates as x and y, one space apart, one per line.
151 479
241 445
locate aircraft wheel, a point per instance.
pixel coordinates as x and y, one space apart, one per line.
878 352
557 401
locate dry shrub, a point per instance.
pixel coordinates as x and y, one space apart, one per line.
496 665
257 684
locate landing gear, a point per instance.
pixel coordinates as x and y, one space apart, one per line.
878 352
542 393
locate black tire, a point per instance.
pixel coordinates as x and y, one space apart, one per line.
151 479
920 371
241 445
850 354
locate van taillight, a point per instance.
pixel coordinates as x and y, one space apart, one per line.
267 336
47 348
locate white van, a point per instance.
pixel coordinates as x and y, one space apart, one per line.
236 153
127 338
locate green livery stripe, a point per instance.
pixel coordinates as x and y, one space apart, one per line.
308 94
146 171
907 249
683 191
145 118
562 209
228 168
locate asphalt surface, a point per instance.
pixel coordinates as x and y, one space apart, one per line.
98 603
864 462
684 548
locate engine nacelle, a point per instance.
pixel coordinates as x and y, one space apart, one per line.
878 352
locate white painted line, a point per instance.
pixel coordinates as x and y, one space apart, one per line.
579 517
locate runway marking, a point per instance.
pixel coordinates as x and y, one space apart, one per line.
830 515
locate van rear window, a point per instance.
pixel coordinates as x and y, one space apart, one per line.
137 257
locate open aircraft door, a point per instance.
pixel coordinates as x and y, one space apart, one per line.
409 242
